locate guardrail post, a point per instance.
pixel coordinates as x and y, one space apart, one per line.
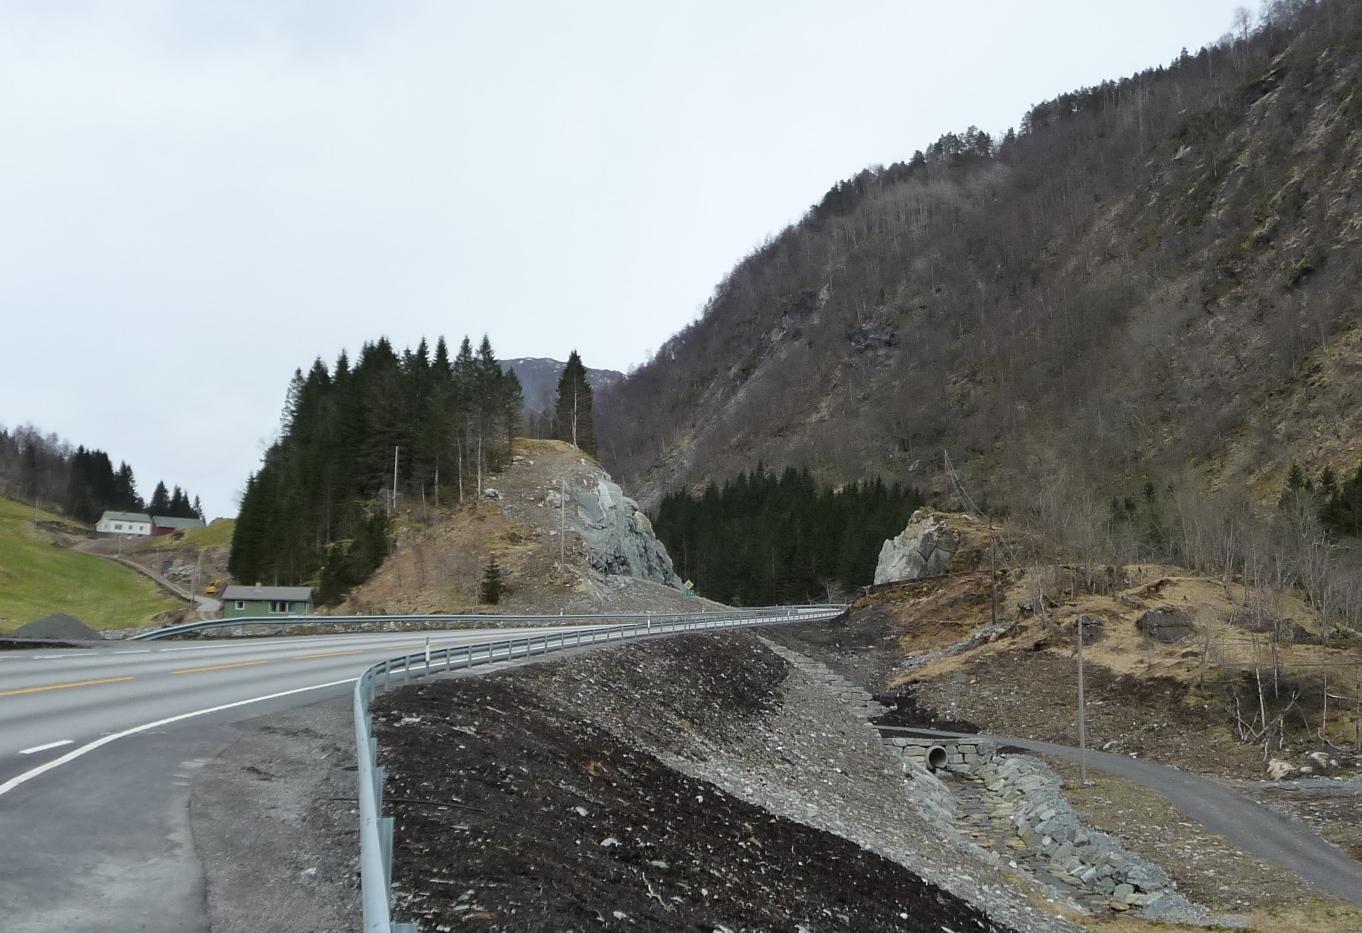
385 839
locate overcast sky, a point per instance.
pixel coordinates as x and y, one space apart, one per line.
198 197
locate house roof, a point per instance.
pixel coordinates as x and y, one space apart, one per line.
288 593
125 517
166 521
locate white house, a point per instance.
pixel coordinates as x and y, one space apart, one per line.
124 523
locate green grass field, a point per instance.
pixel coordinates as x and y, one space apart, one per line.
218 534
37 578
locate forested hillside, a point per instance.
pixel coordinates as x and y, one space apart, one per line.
764 539
1157 272
43 470
318 507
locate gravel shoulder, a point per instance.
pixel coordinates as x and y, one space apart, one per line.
276 827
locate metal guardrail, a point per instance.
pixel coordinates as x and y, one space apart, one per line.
376 830
538 621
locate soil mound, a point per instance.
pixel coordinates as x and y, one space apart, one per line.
600 834
58 625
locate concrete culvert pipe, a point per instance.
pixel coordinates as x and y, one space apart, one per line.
936 758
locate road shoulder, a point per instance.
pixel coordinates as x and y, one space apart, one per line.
275 824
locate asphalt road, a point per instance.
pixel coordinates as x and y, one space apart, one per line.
99 746
1252 827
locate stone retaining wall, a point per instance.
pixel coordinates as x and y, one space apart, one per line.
1028 793
963 756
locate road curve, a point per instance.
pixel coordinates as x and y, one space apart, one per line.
98 749
1249 825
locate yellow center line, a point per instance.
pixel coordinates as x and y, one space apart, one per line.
66 686
324 654
220 667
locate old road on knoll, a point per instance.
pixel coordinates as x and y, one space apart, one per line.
98 750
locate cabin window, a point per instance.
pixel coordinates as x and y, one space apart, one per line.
278 605
241 604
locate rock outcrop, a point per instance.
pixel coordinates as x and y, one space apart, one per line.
925 549
1165 624
618 535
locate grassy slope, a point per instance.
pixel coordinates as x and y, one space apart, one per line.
218 534
37 578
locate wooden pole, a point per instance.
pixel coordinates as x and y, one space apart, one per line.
1082 714
393 508
1324 716
992 576
562 525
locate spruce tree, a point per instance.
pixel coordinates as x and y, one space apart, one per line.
572 411
160 500
492 585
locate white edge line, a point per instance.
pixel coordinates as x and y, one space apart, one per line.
75 753
42 748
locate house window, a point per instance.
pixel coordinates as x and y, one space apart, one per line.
240 604
278 605
118 527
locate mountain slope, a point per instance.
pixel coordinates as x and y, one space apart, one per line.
1154 272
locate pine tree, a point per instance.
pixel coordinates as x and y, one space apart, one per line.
574 421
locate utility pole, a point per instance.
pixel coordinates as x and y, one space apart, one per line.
194 587
1082 714
562 524
393 508
993 576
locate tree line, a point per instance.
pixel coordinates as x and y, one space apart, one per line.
353 440
44 471
765 538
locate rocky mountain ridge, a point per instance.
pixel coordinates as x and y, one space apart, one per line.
1151 273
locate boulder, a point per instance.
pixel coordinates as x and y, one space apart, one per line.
924 549
1166 624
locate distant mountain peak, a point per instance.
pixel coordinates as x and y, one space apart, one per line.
539 376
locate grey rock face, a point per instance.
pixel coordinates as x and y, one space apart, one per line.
618 535
1165 625
925 549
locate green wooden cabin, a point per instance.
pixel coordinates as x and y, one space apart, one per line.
266 601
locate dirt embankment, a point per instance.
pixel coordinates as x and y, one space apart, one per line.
1159 689
539 799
